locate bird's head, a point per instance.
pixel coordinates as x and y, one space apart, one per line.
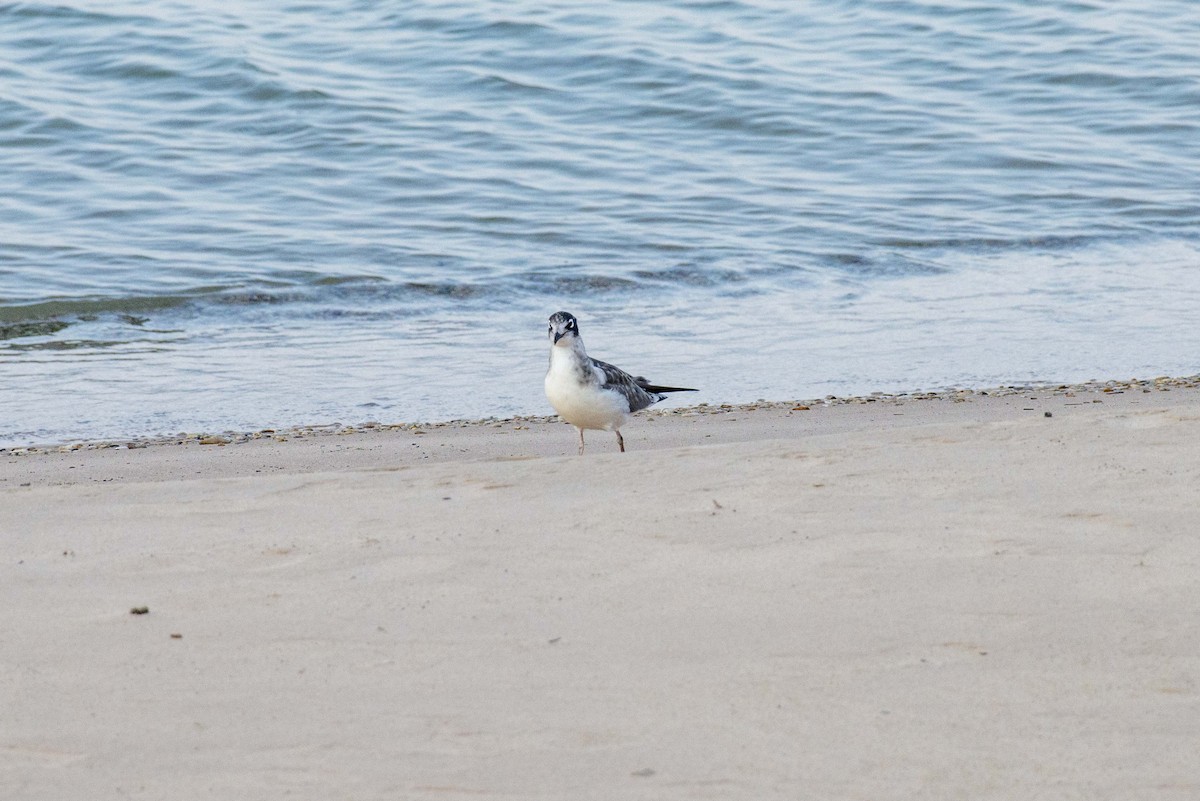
564 329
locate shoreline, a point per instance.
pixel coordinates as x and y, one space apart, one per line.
235 437
334 448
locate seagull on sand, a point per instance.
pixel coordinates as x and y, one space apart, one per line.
589 393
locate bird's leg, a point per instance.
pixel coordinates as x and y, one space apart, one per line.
581 442
620 441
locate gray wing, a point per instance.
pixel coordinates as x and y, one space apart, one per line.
621 381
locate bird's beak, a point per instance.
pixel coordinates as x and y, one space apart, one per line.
558 335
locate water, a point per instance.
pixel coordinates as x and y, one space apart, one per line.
229 218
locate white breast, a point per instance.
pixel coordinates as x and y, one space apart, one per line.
582 405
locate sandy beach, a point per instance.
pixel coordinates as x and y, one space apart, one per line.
950 596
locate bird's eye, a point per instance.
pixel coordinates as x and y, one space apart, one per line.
570 323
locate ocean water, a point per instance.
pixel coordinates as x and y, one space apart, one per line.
220 217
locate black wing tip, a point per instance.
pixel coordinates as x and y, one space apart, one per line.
670 389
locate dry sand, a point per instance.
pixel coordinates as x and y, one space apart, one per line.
953 598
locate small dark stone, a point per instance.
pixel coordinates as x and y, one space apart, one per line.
139 610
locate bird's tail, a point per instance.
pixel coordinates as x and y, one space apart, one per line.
646 385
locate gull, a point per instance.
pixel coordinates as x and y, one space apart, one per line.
589 393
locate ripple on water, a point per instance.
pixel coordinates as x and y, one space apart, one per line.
397 195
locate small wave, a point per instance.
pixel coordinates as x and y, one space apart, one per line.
566 283
685 275
515 86
33 328
134 70
520 30
978 244
59 13
58 345
31 313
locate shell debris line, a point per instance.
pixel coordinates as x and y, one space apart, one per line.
1097 389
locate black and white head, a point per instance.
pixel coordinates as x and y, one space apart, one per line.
564 329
